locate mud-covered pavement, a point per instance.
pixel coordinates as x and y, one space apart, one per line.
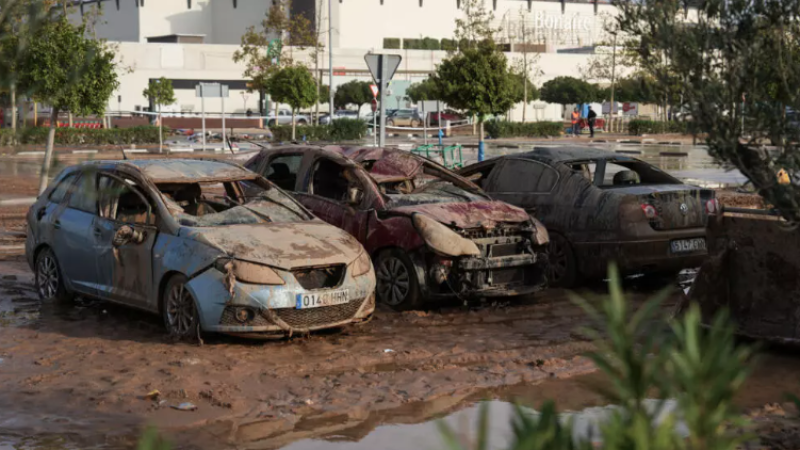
84 370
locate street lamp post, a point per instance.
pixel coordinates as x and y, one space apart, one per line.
330 58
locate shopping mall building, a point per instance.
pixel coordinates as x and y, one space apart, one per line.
192 41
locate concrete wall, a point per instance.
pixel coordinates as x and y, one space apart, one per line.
113 24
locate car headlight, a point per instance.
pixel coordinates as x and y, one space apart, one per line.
540 234
443 240
361 265
248 272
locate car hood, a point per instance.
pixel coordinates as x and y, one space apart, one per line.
468 214
282 245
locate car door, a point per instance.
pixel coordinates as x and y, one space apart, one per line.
125 233
527 184
72 235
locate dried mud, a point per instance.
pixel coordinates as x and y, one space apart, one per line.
86 369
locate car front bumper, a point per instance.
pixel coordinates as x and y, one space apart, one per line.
273 309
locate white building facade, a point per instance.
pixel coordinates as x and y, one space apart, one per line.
192 41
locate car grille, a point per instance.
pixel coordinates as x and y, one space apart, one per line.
496 232
319 278
314 317
499 250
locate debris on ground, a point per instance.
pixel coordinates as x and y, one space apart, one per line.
185 406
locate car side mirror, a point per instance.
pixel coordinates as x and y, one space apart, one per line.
354 196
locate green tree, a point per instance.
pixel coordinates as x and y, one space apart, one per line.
70 72
270 46
738 65
636 88
160 92
295 86
19 23
568 91
523 90
477 81
423 91
353 92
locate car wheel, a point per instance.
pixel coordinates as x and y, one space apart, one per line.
180 310
397 284
302 123
271 123
561 271
49 281
415 123
390 123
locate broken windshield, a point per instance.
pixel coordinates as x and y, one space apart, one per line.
244 202
431 185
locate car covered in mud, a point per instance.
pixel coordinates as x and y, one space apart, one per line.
207 244
600 207
431 233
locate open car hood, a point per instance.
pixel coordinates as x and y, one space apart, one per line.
282 245
468 214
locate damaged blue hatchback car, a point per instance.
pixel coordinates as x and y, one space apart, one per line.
207 244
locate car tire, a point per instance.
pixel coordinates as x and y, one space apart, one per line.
302 123
390 123
415 123
179 310
48 279
271 123
562 267
397 284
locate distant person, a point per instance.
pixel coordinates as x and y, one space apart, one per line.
592 116
576 118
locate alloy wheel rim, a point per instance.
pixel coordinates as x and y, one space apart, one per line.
180 310
393 281
558 261
47 277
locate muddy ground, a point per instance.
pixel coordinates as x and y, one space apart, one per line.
85 370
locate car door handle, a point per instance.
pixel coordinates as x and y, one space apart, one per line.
57 224
98 232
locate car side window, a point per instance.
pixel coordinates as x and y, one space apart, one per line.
84 196
329 180
283 169
60 191
519 175
479 175
120 201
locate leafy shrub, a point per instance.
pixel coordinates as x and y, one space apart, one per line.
701 369
391 43
348 129
429 43
449 45
77 136
639 127
412 44
340 130
505 129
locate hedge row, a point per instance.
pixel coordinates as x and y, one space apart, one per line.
639 127
76 136
340 130
504 129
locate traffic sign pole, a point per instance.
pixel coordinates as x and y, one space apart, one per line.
382 88
203 110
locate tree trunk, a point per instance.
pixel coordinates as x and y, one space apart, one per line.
14 114
161 131
319 82
481 145
48 154
294 126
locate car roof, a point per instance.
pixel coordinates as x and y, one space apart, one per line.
181 170
571 153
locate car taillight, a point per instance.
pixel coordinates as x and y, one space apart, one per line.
649 211
712 206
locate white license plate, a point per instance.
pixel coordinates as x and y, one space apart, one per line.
688 245
319 299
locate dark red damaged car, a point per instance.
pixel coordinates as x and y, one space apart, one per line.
431 233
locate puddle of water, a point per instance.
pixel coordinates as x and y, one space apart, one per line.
585 425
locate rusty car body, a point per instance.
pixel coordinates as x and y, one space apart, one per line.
600 207
431 233
207 244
